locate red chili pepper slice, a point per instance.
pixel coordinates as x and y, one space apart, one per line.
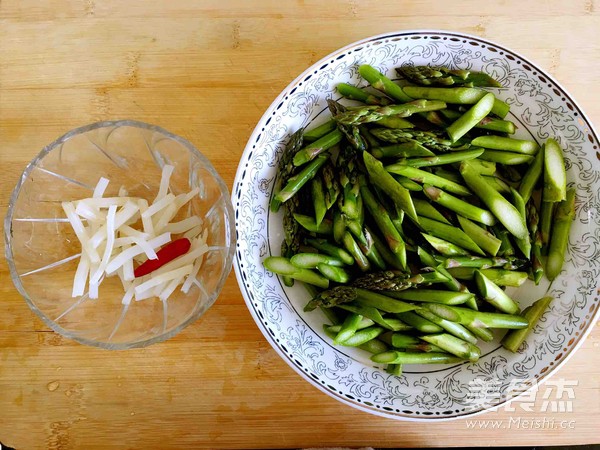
166 254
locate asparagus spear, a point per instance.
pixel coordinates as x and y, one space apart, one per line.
396 122
333 273
331 185
371 251
432 295
459 206
339 226
332 297
432 140
494 295
320 131
355 93
380 82
282 266
375 315
352 247
398 194
296 182
335 252
406 342
394 357
409 184
555 175
446 158
464 96
348 328
449 174
525 243
368 114
483 238
531 177
384 222
364 339
468 120
307 222
453 284
546 215
501 277
318 197
498 125
482 167
513 340
312 150
286 167
497 183
394 369
507 144
395 280
454 346
442 76
507 263
453 328
443 247
563 218
365 322
382 302
449 233
426 209
420 323
506 158
390 258
504 211
421 176
405 149
351 133
311 260
536 247
506 247
487 123
477 319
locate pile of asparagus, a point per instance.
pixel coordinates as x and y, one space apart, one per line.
406 217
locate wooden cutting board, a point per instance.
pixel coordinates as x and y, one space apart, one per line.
207 70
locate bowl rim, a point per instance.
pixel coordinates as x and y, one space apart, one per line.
238 271
229 225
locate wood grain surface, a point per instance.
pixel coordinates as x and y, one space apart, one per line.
207 70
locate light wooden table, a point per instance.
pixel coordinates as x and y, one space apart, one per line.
207 70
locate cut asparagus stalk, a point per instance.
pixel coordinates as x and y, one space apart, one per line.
454 346
394 357
477 319
563 218
507 144
513 340
555 175
483 238
282 266
504 211
494 295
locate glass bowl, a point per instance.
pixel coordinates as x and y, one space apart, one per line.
42 249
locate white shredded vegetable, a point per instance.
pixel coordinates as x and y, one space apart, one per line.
167 171
127 231
119 260
183 225
168 276
101 187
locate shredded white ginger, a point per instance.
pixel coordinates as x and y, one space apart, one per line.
117 233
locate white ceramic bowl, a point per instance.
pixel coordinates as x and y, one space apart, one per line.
541 108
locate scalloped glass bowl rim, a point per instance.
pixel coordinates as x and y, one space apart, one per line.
229 224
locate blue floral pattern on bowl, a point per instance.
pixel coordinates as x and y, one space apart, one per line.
541 108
